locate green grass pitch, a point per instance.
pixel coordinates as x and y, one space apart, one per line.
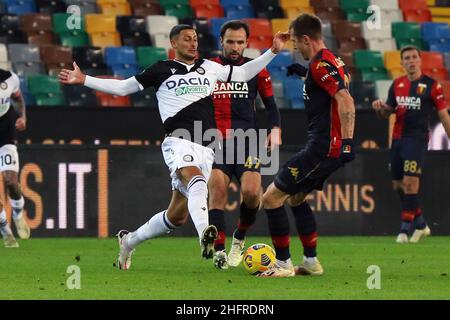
171 268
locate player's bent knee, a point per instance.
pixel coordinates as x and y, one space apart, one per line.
251 195
411 185
296 200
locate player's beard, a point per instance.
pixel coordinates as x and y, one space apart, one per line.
237 57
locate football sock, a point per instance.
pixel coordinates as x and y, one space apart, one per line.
246 220
419 220
279 231
4 226
410 204
217 218
198 203
157 225
306 228
17 207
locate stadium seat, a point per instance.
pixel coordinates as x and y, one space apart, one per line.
88 57
382 89
144 8
437 74
432 60
392 64
407 33
160 24
181 11
435 31
352 44
331 14
267 9
446 89
194 3
2 8
381 44
385 32
208 11
69 37
417 15
297 103
390 16
277 87
43 84
23 53
50 6
120 55
108 100
282 60
386 4
146 56
215 24
413 4
79 96
56 58
356 11
86 7
49 100
36 23
293 88
279 25
366 59
206 45
21 7
170 2
145 99
447 60
98 23
259 27
114 8
239 12
201 25
25 69
363 92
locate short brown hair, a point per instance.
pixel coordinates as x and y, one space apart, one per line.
308 25
408 48
234 25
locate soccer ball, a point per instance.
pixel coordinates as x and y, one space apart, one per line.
258 258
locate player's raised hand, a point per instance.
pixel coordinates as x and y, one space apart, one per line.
377 105
274 139
279 41
74 76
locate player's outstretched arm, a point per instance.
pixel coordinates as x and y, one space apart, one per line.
111 86
445 119
249 70
21 122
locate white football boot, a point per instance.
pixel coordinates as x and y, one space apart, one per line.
402 238
220 260
309 268
236 252
420 234
280 269
125 253
22 227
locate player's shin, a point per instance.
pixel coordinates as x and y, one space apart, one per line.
217 218
17 207
158 225
279 231
305 223
246 219
419 220
198 203
410 204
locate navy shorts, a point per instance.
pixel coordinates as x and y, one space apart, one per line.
407 157
235 159
305 172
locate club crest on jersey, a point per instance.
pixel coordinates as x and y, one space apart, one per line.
322 64
339 62
188 158
200 70
3 85
421 87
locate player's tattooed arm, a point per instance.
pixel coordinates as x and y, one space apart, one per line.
347 114
20 106
445 119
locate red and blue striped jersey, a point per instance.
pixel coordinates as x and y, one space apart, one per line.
234 102
413 102
326 76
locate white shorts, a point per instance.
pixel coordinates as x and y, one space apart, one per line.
9 158
179 153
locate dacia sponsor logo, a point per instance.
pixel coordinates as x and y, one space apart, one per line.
412 103
190 85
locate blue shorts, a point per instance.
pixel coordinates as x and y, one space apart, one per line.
407 157
305 172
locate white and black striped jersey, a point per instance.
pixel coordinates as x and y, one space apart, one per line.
9 84
184 92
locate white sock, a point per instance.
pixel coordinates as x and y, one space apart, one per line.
156 226
310 259
17 206
285 263
198 203
4 226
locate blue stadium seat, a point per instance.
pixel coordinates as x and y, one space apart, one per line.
297 103
226 3
20 7
293 88
239 12
120 55
125 71
442 45
215 24
433 30
282 59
